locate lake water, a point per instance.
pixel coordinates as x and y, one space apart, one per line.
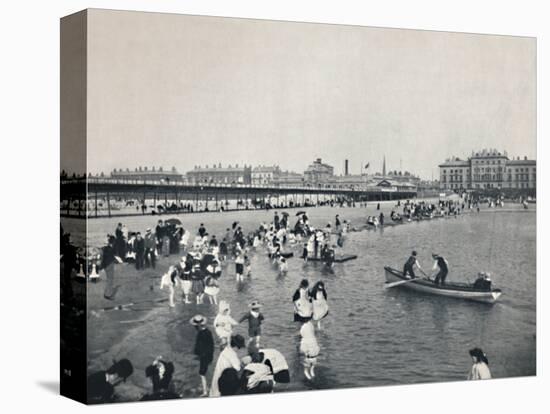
371 336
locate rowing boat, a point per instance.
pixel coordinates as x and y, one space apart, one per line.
453 290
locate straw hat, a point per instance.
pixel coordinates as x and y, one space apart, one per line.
198 320
255 304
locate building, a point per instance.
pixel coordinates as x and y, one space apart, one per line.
455 174
216 174
487 169
289 179
148 174
318 172
520 174
265 175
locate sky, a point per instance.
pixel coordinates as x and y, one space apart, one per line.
173 90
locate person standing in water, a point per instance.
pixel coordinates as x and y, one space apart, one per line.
309 348
223 323
239 267
319 301
204 349
303 309
255 319
480 368
441 263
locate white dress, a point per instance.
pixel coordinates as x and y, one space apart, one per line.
320 306
223 324
228 359
309 346
302 305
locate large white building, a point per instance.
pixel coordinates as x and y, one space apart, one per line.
488 169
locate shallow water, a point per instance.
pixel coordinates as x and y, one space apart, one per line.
371 336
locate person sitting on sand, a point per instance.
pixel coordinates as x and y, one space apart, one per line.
101 385
160 373
256 378
272 358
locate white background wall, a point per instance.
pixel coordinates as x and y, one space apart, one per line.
30 157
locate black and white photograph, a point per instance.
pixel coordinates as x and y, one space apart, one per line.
261 206
297 206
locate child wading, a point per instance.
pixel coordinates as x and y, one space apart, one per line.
211 288
309 348
223 323
254 318
204 349
239 267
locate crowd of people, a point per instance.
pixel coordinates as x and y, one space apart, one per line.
244 365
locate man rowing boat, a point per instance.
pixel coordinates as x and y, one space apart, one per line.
408 268
441 263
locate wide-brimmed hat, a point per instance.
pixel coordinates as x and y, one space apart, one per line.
198 320
122 368
148 230
255 304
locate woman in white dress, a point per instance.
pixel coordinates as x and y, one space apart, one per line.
309 348
228 359
303 309
319 301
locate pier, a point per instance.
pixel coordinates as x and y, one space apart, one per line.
107 197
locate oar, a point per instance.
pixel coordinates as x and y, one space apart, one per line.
399 282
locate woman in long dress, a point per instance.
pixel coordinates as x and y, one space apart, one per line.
228 359
319 302
310 349
303 309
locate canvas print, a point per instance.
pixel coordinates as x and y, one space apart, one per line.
252 206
